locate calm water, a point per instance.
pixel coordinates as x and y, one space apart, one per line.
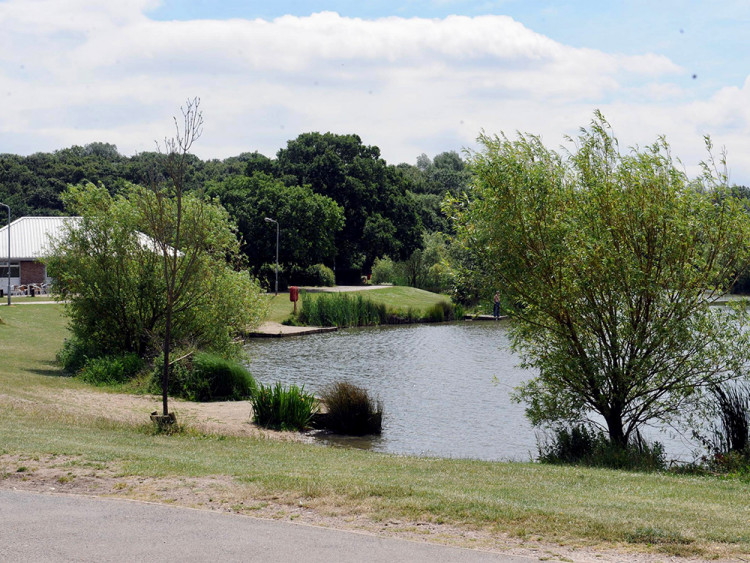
445 387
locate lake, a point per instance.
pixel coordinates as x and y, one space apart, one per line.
445 387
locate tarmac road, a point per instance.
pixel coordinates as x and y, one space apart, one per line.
41 527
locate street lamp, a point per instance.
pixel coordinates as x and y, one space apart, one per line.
269 220
8 208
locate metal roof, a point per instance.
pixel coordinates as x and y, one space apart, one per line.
30 236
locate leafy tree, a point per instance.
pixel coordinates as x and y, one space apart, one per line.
111 279
308 221
431 181
380 217
612 261
108 279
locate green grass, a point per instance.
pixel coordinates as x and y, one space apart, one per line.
674 514
405 297
279 307
30 336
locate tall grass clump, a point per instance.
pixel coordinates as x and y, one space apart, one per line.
350 410
341 310
729 442
284 409
733 432
207 377
441 312
581 445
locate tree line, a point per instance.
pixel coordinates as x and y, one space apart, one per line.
337 201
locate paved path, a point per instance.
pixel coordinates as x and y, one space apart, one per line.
40 527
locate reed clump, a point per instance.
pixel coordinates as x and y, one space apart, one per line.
346 310
342 310
350 410
275 406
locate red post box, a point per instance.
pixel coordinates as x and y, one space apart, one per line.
294 296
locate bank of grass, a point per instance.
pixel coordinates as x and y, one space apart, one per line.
396 298
684 515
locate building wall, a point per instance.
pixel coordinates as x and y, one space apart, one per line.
32 272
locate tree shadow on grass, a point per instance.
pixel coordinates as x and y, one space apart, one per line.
52 371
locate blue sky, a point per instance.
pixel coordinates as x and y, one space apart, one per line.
411 77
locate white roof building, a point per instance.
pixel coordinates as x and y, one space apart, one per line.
30 237
29 241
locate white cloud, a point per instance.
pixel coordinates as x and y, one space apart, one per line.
83 70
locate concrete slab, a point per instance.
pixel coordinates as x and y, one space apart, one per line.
277 330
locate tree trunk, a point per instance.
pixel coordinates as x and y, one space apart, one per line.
615 428
165 371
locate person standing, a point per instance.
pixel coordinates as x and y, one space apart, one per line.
496 309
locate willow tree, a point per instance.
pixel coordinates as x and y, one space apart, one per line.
610 262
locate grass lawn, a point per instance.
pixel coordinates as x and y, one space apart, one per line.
393 297
672 514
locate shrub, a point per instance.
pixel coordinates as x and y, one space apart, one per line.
350 410
266 274
285 409
318 275
383 271
111 370
580 445
207 377
74 354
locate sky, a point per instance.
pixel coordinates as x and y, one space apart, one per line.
411 77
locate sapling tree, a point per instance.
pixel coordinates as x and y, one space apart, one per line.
192 236
610 262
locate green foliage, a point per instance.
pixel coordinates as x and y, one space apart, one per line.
317 275
350 410
380 218
282 408
347 310
111 370
734 464
426 268
74 354
308 221
33 185
580 445
441 312
384 271
111 277
342 310
611 262
206 377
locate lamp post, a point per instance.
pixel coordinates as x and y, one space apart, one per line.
8 208
269 220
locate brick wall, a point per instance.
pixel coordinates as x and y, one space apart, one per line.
32 272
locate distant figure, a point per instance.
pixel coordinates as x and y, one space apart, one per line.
496 310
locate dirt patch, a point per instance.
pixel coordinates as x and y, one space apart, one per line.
230 418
